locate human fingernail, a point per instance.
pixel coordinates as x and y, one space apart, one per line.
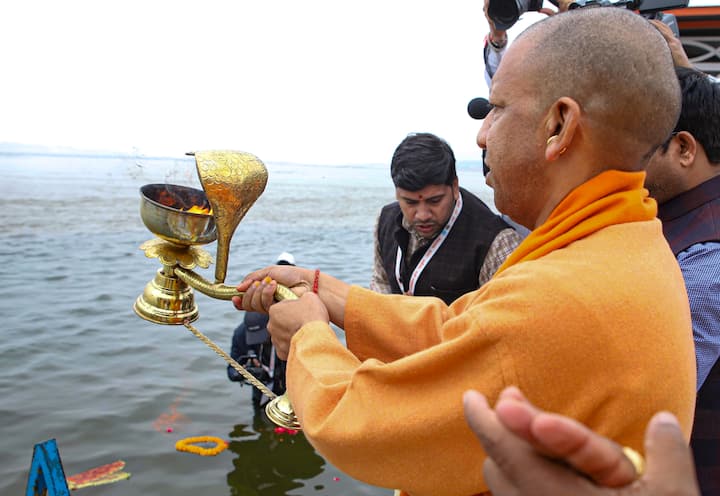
666 418
471 395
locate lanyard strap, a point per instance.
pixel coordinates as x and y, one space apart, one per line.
437 242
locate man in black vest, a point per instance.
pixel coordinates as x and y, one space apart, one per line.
437 239
684 177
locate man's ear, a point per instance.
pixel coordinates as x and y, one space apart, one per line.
687 148
561 123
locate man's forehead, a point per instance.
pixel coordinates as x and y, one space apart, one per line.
516 60
431 191
505 83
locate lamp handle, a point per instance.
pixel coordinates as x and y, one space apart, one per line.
223 291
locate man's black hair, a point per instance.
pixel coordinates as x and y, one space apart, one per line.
421 160
700 112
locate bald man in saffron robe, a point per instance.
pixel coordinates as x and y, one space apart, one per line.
588 316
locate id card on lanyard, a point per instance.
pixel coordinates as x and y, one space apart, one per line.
437 242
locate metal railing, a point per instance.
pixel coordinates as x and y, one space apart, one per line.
703 52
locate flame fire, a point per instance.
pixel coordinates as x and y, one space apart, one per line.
195 209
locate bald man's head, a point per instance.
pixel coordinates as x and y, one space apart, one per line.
614 64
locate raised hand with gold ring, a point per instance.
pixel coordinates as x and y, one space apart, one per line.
531 452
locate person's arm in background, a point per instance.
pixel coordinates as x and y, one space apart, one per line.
700 266
496 40
677 51
532 452
494 46
502 246
562 6
379 282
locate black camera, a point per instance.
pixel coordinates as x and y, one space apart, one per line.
642 6
505 13
649 9
258 371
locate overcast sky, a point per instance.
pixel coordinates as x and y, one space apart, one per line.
326 82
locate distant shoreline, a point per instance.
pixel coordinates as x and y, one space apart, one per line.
20 150
82 155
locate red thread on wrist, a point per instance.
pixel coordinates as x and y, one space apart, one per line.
316 281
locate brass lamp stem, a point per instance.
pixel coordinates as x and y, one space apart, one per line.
222 291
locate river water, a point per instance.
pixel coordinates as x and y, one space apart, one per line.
78 366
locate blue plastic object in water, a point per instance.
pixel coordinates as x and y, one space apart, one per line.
47 477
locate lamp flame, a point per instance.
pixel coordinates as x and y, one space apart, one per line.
196 209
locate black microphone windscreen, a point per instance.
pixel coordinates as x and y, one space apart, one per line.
479 108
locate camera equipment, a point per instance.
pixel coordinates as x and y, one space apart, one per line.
642 6
649 9
505 13
258 371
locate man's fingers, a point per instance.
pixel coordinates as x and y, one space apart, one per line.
249 279
512 393
496 479
268 292
662 27
515 467
587 452
516 413
669 460
476 410
512 467
562 438
507 451
484 422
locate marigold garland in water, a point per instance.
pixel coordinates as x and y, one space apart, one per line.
188 445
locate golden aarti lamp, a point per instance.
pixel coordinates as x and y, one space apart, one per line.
185 218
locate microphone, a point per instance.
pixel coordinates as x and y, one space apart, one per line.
479 108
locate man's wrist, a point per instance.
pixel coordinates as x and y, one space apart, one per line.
497 40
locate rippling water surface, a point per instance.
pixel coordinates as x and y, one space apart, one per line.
77 365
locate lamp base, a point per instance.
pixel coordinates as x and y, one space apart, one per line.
166 300
280 411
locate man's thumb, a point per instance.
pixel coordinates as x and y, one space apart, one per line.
669 459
